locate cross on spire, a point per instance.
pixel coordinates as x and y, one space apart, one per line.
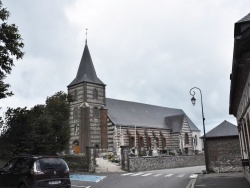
86 35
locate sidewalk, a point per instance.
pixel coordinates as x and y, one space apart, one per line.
104 165
222 180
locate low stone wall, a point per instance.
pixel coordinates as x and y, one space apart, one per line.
136 164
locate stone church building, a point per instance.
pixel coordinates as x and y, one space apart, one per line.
107 124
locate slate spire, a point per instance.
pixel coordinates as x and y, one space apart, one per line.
86 71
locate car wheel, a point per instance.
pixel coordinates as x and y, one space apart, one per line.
22 186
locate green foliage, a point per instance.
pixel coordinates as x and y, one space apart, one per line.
10 47
76 162
44 129
110 156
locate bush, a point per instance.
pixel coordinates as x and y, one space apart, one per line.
110 156
76 162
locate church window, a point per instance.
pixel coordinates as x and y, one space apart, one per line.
95 94
75 114
195 140
95 112
157 142
141 142
186 138
149 143
132 141
76 130
164 142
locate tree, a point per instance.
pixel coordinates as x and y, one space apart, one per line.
10 46
16 139
57 106
42 129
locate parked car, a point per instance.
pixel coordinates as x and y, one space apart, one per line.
30 171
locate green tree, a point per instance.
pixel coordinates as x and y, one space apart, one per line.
10 47
17 138
42 129
57 106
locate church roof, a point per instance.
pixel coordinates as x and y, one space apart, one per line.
126 113
223 130
244 19
175 122
86 71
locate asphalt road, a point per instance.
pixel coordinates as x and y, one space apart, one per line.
167 178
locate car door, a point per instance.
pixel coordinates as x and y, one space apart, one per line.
6 173
20 172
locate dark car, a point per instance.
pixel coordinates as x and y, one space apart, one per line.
30 171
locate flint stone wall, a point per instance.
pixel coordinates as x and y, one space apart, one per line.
224 154
155 163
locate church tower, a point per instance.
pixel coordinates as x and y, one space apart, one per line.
88 115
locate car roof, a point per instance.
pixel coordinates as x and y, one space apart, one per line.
37 156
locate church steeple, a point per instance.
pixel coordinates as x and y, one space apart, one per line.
86 71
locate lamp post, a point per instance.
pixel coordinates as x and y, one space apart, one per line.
193 100
136 153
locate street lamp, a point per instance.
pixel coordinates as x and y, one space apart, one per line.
193 100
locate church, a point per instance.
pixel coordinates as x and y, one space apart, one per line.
107 124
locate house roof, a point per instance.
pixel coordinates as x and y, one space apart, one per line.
224 129
244 19
241 63
126 113
86 71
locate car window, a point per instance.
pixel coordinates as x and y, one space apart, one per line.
23 163
51 163
9 165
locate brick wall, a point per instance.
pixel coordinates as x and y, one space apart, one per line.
224 154
155 163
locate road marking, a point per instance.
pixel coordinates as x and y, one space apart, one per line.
80 186
193 176
146 174
126 174
157 174
80 177
180 176
169 175
137 174
191 183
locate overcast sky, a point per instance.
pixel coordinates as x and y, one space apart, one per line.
147 51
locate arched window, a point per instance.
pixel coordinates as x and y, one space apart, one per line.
164 143
149 143
95 112
195 140
76 130
132 141
141 142
95 94
157 142
186 138
75 114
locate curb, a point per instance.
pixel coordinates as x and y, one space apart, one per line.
192 181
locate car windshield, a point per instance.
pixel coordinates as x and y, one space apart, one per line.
51 163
